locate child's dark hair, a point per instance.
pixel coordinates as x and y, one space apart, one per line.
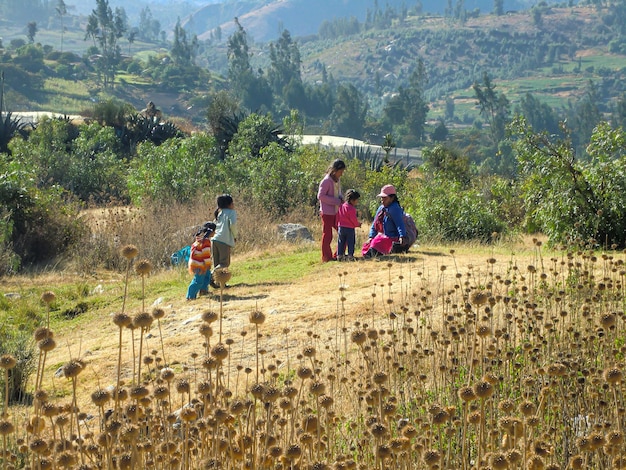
352 195
207 229
223 201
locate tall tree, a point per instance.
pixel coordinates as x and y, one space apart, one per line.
149 28
253 90
31 31
61 10
498 7
183 50
540 116
583 116
494 107
349 112
105 28
285 63
619 113
408 107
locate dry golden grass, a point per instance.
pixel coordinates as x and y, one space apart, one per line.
511 356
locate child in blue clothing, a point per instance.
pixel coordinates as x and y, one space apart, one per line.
200 261
347 222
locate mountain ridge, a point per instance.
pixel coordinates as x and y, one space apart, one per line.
264 21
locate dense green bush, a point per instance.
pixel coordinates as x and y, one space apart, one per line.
42 224
569 199
86 163
178 169
444 210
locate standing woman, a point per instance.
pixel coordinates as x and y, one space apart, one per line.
330 197
225 233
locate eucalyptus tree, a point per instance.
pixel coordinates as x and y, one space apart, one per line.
349 112
105 28
253 89
285 63
498 7
61 10
494 107
183 50
31 31
407 110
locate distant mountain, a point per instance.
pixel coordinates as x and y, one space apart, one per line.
264 20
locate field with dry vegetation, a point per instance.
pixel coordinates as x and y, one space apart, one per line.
508 356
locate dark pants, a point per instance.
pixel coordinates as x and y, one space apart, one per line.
346 239
221 254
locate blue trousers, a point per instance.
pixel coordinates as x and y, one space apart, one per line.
199 282
346 239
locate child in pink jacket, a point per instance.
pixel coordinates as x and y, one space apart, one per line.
347 222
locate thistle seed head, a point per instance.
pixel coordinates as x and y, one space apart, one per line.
129 251
143 267
48 297
257 317
7 361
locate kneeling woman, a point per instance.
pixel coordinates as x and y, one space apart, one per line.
388 226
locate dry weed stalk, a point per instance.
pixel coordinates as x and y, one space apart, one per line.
496 367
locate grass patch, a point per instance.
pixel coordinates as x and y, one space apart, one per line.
271 268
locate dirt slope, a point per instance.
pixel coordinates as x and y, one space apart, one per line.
317 305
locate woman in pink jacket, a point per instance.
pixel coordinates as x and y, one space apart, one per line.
330 196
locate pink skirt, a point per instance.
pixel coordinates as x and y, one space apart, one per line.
381 243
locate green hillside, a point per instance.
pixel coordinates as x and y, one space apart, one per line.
553 53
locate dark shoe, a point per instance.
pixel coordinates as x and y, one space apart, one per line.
203 292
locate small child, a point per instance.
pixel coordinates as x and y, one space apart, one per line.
200 261
225 232
347 222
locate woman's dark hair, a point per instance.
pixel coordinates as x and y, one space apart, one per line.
335 166
223 201
352 194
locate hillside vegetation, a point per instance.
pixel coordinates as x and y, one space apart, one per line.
548 51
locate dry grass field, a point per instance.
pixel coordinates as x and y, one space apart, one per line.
490 357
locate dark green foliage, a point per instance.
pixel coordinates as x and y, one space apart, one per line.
9 128
105 28
538 114
407 110
445 210
277 179
177 170
225 129
40 224
254 134
140 128
285 63
447 163
349 112
572 200
494 108
252 89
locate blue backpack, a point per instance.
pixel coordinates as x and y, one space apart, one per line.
181 256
